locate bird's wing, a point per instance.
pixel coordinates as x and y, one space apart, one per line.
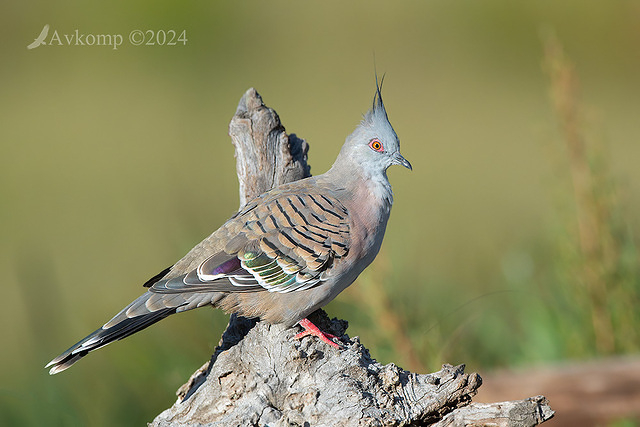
279 242
43 33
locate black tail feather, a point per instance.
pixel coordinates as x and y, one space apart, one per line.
102 337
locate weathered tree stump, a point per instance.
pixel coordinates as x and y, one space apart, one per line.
260 376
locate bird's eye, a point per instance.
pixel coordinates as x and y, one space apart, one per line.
376 145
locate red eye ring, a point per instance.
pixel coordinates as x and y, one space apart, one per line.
376 145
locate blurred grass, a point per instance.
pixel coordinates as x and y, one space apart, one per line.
599 262
115 163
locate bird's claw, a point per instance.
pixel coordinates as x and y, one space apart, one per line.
311 329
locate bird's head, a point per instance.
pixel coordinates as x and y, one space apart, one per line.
374 144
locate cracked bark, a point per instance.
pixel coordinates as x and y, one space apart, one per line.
260 376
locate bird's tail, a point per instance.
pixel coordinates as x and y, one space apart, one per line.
132 319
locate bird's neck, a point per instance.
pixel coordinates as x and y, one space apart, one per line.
352 176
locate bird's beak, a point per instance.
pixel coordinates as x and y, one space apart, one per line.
399 160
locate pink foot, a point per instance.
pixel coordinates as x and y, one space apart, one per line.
311 329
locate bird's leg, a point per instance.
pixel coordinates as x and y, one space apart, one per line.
311 329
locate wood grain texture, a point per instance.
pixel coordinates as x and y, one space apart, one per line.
266 156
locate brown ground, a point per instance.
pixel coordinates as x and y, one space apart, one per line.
596 393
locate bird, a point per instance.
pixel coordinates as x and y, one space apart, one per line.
40 39
284 254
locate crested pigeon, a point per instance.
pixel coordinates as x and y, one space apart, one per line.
284 254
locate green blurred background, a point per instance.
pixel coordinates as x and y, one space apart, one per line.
115 163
